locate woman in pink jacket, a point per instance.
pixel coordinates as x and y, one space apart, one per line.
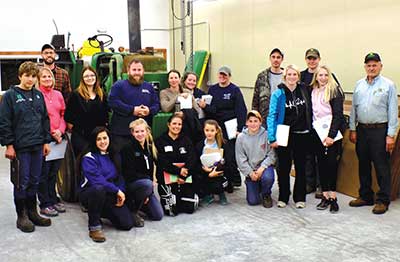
49 206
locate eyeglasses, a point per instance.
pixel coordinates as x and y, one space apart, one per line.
89 76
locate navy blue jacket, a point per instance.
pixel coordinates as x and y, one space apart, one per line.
98 169
227 103
24 122
122 100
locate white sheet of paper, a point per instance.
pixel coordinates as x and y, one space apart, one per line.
186 103
282 135
322 127
207 99
231 128
57 151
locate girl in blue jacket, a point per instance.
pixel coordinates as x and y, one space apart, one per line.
102 191
290 105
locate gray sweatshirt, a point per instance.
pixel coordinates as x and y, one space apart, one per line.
253 151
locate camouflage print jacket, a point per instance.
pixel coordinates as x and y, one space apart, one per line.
262 94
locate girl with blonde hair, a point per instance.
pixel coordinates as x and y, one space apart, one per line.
137 159
327 103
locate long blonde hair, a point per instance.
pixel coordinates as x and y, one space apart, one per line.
332 89
83 89
149 139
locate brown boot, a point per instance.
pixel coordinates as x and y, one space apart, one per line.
97 235
34 215
359 202
23 222
380 208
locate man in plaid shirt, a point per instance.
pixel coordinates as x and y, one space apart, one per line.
62 82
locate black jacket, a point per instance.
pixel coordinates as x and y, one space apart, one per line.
86 115
338 121
24 122
136 162
172 151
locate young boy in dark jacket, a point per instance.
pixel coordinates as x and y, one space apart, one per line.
25 131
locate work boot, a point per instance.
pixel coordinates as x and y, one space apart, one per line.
23 222
97 235
138 221
359 202
380 208
267 201
318 193
222 199
33 214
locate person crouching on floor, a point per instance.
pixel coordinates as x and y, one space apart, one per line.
102 189
256 160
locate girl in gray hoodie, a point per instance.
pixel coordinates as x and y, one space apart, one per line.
256 160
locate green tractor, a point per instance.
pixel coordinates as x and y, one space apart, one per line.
111 67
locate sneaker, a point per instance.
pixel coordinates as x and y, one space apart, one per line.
359 202
324 204
97 236
60 207
380 208
334 205
267 201
222 199
49 212
281 204
300 205
207 200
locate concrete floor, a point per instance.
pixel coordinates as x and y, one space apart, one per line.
236 232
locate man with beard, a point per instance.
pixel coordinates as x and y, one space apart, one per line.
61 76
131 99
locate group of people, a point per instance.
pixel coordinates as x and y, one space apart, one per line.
207 145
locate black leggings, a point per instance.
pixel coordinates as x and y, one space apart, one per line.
328 162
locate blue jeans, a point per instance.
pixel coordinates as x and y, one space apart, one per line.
47 186
30 168
256 190
138 191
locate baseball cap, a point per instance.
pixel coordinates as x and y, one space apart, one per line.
312 52
225 70
372 56
48 46
254 113
276 50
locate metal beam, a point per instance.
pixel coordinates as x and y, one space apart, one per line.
135 42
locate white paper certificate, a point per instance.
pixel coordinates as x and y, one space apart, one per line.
322 127
57 151
231 128
282 135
